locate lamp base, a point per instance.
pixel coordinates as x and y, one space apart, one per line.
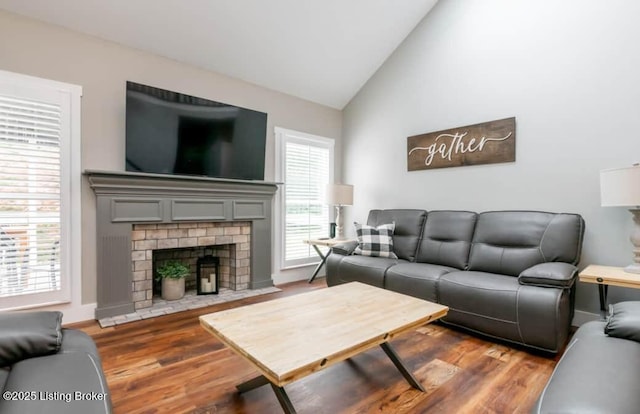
635 241
339 224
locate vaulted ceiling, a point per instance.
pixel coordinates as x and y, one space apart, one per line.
319 50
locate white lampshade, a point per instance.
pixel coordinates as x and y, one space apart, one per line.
339 194
620 187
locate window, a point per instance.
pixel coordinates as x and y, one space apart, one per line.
305 165
39 155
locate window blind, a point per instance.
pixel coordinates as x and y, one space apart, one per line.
307 169
30 136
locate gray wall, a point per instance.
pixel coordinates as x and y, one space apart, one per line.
101 68
567 70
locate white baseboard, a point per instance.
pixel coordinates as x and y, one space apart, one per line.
73 314
296 274
582 317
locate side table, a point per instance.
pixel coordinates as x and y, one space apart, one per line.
326 243
604 276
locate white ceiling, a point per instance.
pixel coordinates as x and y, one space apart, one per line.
320 50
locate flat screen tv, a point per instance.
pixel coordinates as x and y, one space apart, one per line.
172 133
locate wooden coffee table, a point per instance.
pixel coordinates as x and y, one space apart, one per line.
289 338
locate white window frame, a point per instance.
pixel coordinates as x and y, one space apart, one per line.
70 188
283 136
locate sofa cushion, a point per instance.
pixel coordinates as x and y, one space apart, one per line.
365 269
407 232
375 241
60 380
416 279
484 302
624 321
508 242
28 334
596 374
446 238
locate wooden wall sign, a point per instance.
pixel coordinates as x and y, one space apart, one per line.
487 143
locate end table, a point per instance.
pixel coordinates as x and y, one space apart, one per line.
608 275
326 243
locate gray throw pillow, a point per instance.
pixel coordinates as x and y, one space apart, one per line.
624 321
29 334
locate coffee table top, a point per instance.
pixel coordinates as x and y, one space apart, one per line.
291 337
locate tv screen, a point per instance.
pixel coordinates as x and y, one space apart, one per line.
172 133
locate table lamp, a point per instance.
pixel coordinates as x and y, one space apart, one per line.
621 187
339 195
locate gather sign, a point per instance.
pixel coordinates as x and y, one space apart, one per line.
486 143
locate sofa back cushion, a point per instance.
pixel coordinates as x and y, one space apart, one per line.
408 228
508 242
446 238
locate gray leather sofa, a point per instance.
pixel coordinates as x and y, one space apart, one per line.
506 274
48 369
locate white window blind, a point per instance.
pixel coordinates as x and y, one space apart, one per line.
307 164
307 216
35 125
29 196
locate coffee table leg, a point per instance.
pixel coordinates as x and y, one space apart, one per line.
281 394
284 400
391 353
252 384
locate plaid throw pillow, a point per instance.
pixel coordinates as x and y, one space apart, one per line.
375 241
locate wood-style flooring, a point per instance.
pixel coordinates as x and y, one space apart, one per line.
170 364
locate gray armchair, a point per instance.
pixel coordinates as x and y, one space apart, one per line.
49 369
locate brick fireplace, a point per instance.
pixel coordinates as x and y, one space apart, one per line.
153 244
137 214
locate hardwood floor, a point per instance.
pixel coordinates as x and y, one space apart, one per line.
170 364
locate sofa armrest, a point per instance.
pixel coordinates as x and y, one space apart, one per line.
345 248
554 274
28 334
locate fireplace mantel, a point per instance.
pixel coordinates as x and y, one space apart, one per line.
117 182
127 198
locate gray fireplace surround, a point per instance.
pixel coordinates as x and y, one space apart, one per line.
127 198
